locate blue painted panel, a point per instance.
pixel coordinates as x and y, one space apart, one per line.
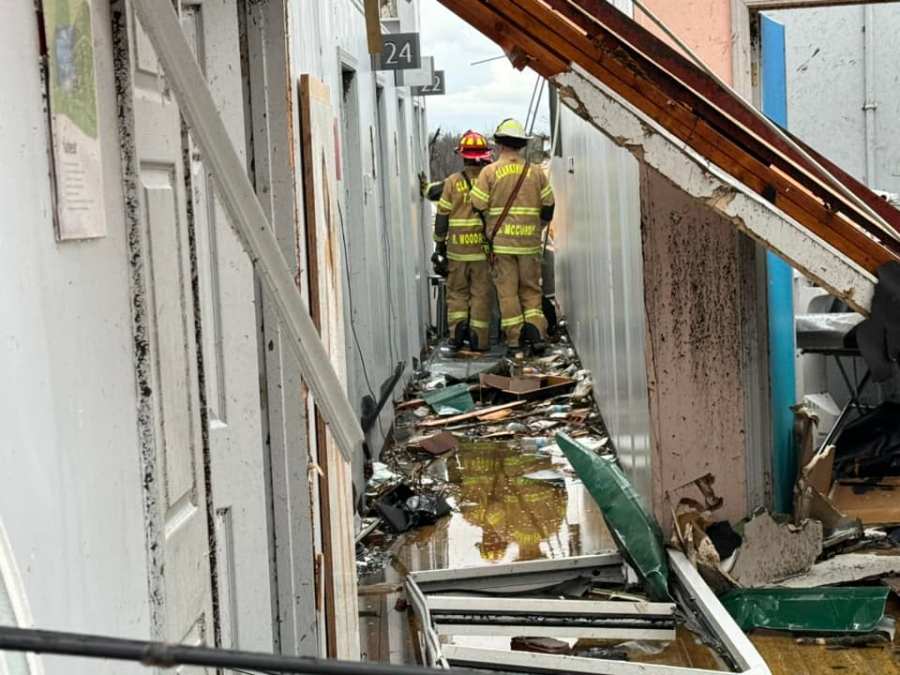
782 338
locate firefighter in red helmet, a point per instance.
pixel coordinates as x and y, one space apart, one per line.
459 237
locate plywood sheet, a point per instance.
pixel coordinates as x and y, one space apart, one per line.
319 178
873 503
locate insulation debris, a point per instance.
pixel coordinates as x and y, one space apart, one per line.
772 551
844 569
692 524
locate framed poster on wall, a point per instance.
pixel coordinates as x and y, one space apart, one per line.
76 164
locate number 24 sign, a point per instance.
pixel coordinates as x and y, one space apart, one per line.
401 52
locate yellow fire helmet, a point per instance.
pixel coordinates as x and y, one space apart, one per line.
511 128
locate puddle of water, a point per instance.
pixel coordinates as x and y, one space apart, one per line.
499 516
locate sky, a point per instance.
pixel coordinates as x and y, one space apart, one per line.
478 97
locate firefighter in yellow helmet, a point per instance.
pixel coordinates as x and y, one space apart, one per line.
458 236
517 201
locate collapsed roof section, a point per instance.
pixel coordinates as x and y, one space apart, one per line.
680 120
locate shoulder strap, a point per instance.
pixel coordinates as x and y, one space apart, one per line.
510 201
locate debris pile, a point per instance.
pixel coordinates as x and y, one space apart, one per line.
828 568
813 574
464 399
588 613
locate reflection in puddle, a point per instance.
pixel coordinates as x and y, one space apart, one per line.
519 518
499 516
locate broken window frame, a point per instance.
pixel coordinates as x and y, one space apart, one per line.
694 597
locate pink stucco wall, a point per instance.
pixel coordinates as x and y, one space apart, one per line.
695 292
694 301
703 25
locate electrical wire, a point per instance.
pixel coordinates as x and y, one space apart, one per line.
488 60
835 183
529 126
362 360
534 89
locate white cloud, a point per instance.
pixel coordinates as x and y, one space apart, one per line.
479 96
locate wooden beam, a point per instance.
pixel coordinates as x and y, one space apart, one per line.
713 186
541 60
373 26
735 119
674 106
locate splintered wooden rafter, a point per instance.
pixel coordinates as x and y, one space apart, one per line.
597 55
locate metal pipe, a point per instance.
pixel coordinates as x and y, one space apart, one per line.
165 655
371 408
870 105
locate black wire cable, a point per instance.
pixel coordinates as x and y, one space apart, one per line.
362 360
165 655
531 101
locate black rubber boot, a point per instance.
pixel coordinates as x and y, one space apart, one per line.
459 335
473 342
531 336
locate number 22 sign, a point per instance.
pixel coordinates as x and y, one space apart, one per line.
438 86
401 52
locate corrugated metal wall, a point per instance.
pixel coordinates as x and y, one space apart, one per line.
600 282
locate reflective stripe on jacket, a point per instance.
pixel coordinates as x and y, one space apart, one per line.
520 233
464 236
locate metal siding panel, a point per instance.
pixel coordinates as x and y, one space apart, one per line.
600 284
824 54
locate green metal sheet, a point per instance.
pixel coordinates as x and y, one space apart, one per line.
636 532
832 609
451 400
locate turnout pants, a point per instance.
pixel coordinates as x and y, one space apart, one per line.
469 298
518 282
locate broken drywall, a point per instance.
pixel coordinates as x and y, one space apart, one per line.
850 567
772 552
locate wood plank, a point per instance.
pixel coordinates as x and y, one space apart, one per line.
608 60
738 121
324 297
602 16
472 414
877 504
510 38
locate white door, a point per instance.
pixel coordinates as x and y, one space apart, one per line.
227 310
201 334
